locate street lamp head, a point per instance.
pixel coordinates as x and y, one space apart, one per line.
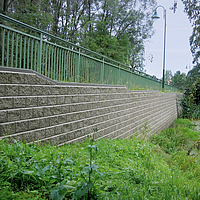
155 16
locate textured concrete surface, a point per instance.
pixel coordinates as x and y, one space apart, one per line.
33 108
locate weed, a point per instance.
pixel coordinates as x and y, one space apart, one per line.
89 172
158 168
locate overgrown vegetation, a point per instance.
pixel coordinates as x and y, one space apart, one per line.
191 101
127 169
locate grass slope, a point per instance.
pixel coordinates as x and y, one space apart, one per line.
119 169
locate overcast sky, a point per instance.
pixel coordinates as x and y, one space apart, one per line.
178 54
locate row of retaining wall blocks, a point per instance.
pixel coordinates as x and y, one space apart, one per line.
33 108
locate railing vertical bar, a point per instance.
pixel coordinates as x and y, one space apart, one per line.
32 44
52 63
59 65
62 67
78 66
35 56
3 46
49 63
70 65
87 70
8 44
12 49
24 66
43 56
74 66
20 52
28 53
102 72
40 53
54 66
46 62
67 67
16 50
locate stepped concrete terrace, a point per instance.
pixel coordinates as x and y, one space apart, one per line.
36 108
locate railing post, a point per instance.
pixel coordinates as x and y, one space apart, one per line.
102 72
40 54
77 78
3 46
118 82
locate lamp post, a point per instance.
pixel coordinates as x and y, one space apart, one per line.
155 16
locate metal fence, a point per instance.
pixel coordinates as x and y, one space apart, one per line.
23 46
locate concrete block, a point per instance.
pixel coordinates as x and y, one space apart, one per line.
40 134
55 90
50 132
11 90
22 126
53 120
60 100
39 81
25 90
18 137
75 99
19 102
3 116
52 100
58 130
5 78
6 103
62 138
37 112
17 78
47 90
62 119
14 115
26 113
44 122
37 90
67 99
47 111
34 124
56 110
66 128
32 101
7 129
65 109
29 136
29 79
42 100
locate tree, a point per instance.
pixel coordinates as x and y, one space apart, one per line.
179 80
192 8
33 12
192 76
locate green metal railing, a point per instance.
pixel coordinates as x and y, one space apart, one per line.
23 46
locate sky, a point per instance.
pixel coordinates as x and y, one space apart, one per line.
178 54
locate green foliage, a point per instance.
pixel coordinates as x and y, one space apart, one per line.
179 80
191 101
176 137
116 29
192 8
133 169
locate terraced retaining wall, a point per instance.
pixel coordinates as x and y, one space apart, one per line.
35 108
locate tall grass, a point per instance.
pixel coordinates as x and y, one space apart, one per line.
124 169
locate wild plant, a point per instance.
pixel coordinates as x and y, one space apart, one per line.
89 172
